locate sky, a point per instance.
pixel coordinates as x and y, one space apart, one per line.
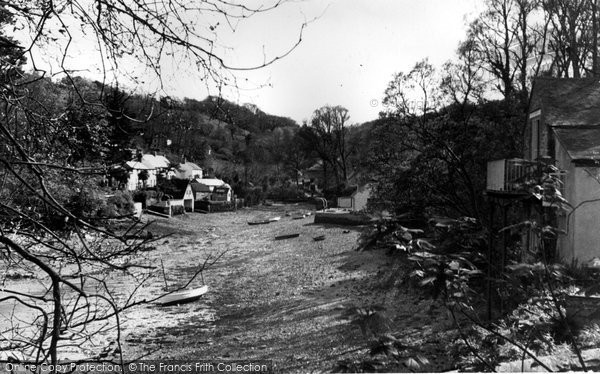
349 52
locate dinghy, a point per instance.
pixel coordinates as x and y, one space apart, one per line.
182 297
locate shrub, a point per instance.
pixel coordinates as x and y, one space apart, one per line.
120 204
143 197
284 193
177 210
252 195
88 203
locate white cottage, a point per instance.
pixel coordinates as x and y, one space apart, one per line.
134 169
211 189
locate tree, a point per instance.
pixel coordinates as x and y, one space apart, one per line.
44 140
413 93
572 39
120 131
510 41
462 80
434 159
326 137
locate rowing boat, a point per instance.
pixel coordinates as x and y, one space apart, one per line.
259 222
264 221
287 236
182 297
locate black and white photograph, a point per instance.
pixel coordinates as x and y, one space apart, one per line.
299 186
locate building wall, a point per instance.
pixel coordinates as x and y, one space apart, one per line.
188 198
586 217
132 181
358 200
151 182
344 202
565 222
361 197
581 242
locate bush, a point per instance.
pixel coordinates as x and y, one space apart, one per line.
143 197
175 210
120 204
88 203
284 193
252 195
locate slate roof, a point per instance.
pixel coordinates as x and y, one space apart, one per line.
580 142
567 101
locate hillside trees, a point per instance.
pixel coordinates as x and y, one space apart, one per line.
121 129
433 159
52 138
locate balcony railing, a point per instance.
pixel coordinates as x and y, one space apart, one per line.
509 175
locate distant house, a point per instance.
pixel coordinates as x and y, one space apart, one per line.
313 177
188 170
133 170
157 165
212 189
357 200
563 128
176 193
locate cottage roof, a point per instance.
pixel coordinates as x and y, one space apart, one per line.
176 188
155 162
580 142
214 182
567 101
135 165
188 166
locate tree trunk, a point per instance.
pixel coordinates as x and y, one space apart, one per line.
594 6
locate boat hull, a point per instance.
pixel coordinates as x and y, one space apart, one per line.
182 297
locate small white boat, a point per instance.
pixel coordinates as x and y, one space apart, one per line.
182 297
274 219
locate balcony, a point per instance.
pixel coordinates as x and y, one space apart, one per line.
509 175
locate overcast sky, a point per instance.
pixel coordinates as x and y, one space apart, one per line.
348 54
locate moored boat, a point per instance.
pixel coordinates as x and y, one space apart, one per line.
182 297
286 236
